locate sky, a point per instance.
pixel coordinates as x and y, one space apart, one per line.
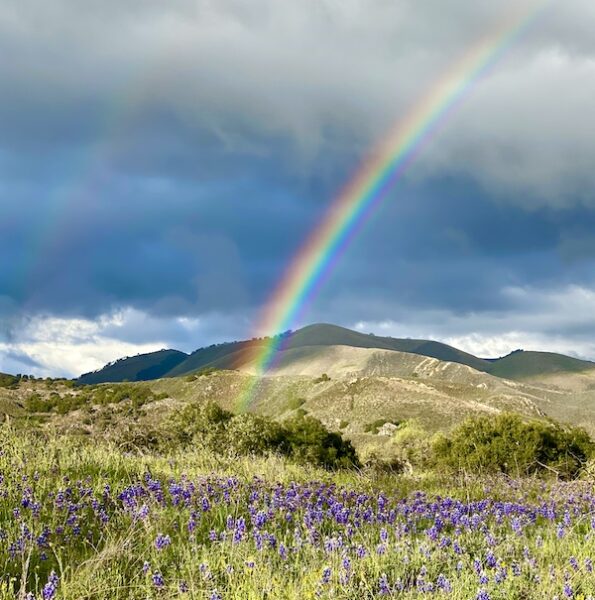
161 163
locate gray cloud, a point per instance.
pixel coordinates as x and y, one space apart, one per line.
164 161
326 77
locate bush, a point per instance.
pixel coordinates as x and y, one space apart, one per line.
302 438
507 444
412 446
35 403
138 395
310 442
295 403
374 426
200 423
8 381
250 434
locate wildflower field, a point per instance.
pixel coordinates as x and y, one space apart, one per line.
79 519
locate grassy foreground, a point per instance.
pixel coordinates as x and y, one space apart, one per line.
82 520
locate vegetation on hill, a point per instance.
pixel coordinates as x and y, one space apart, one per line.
523 365
8 380
506 443
143 367
233 355
304 439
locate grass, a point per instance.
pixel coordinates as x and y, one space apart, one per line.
114 525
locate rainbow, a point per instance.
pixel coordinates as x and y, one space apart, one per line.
367 189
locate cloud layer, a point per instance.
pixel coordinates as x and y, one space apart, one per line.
160 163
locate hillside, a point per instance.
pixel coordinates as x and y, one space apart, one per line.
333 335
362 385
526 365
350 389
142 367
223 356
518 365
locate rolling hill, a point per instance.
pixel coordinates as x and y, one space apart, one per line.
142 367
518 365
362 387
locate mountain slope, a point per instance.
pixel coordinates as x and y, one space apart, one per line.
142 367
333 335
221 356
232 355
363 386
524 365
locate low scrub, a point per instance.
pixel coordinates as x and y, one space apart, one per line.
507 444
302 438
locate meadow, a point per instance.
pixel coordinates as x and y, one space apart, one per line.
80 518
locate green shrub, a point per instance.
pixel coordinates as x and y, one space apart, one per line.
7 381
302 438
505 443
35 403
200 423
310 442
412 446
374 426
251 434
294 403
324 377
138 395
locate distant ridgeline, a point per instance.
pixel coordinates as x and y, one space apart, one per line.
233 355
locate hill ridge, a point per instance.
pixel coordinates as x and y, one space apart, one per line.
233 355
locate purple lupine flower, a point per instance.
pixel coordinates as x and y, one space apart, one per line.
51 587
162 541
383 586
326 575
443 584
158 580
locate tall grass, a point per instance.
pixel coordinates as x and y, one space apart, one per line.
81 519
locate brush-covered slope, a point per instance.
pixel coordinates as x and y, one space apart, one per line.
222 356
235 354
333 335
142 367
7 380
362 386
525 365
518 365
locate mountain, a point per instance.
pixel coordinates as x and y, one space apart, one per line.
233 355
222 356
333 335
352 389
142 367
525 365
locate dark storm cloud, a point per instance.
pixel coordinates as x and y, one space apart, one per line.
164 161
